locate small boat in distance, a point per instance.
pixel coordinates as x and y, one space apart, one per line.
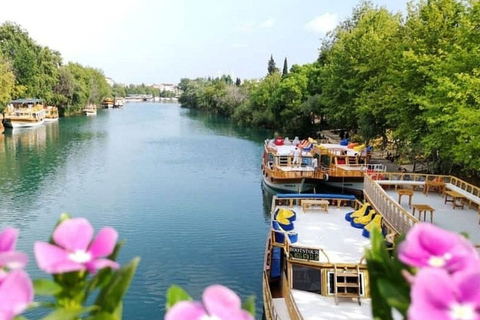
23 113
51 113
107 103
118 103
90 110
289 166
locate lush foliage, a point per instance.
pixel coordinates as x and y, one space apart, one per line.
30 70
411 80
433 274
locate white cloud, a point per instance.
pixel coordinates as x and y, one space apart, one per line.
250 26
267 23
322 24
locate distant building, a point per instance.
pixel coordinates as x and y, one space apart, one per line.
110 81
167 87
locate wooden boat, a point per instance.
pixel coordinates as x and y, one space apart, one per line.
316 270
345 165
22 113
90 110
118 103
107 103
288 170
51 113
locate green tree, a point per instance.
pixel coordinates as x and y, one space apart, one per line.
285 67
272 68
7 82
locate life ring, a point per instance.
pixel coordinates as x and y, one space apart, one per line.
326 177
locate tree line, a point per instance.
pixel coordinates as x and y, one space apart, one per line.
410 81
29 70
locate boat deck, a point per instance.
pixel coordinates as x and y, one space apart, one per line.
444 215
331 232
309 305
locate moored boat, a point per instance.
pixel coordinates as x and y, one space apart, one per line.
107 103
23 113
345 164
314 260
289 166
314 264
51 113
118 103
90 110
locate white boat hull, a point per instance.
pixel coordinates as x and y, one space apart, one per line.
22 124
50 119
295 187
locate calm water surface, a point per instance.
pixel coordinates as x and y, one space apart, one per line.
183 189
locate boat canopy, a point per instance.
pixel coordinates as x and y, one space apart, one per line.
26 101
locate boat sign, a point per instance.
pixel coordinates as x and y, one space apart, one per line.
304 253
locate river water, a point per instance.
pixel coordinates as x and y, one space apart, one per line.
184 190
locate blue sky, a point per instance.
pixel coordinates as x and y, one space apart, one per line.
161 41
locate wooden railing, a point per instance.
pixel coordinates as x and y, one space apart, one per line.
270 312
289 301
467 187
397 218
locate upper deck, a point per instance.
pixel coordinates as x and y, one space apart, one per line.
434 191
329 232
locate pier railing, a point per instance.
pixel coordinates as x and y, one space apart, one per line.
397 218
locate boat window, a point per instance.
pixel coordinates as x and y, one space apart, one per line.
270 158
283 160
306 279
325 161
306 161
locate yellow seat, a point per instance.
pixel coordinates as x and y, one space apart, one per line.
359 213
376 222
365 219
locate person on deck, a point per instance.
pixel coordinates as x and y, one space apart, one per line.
296 156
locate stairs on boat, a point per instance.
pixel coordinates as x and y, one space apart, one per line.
347 283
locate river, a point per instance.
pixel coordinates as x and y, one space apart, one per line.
183 188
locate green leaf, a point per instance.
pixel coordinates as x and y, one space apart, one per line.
249 305
67 314
20 318
395 296
176 294
45 287
112 294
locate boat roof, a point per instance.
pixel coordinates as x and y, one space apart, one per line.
26 101
330 232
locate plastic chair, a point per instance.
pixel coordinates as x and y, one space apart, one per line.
359 213
363 221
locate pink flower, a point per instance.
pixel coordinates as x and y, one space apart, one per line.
219 303
75 250
16 293
429 246
8 256
438 295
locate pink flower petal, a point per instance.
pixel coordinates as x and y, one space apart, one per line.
74 234
432 294
186 310
220 301
426 241
8 239
53 259
468 283
16 292
104 243
6 315
13 259
98 264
